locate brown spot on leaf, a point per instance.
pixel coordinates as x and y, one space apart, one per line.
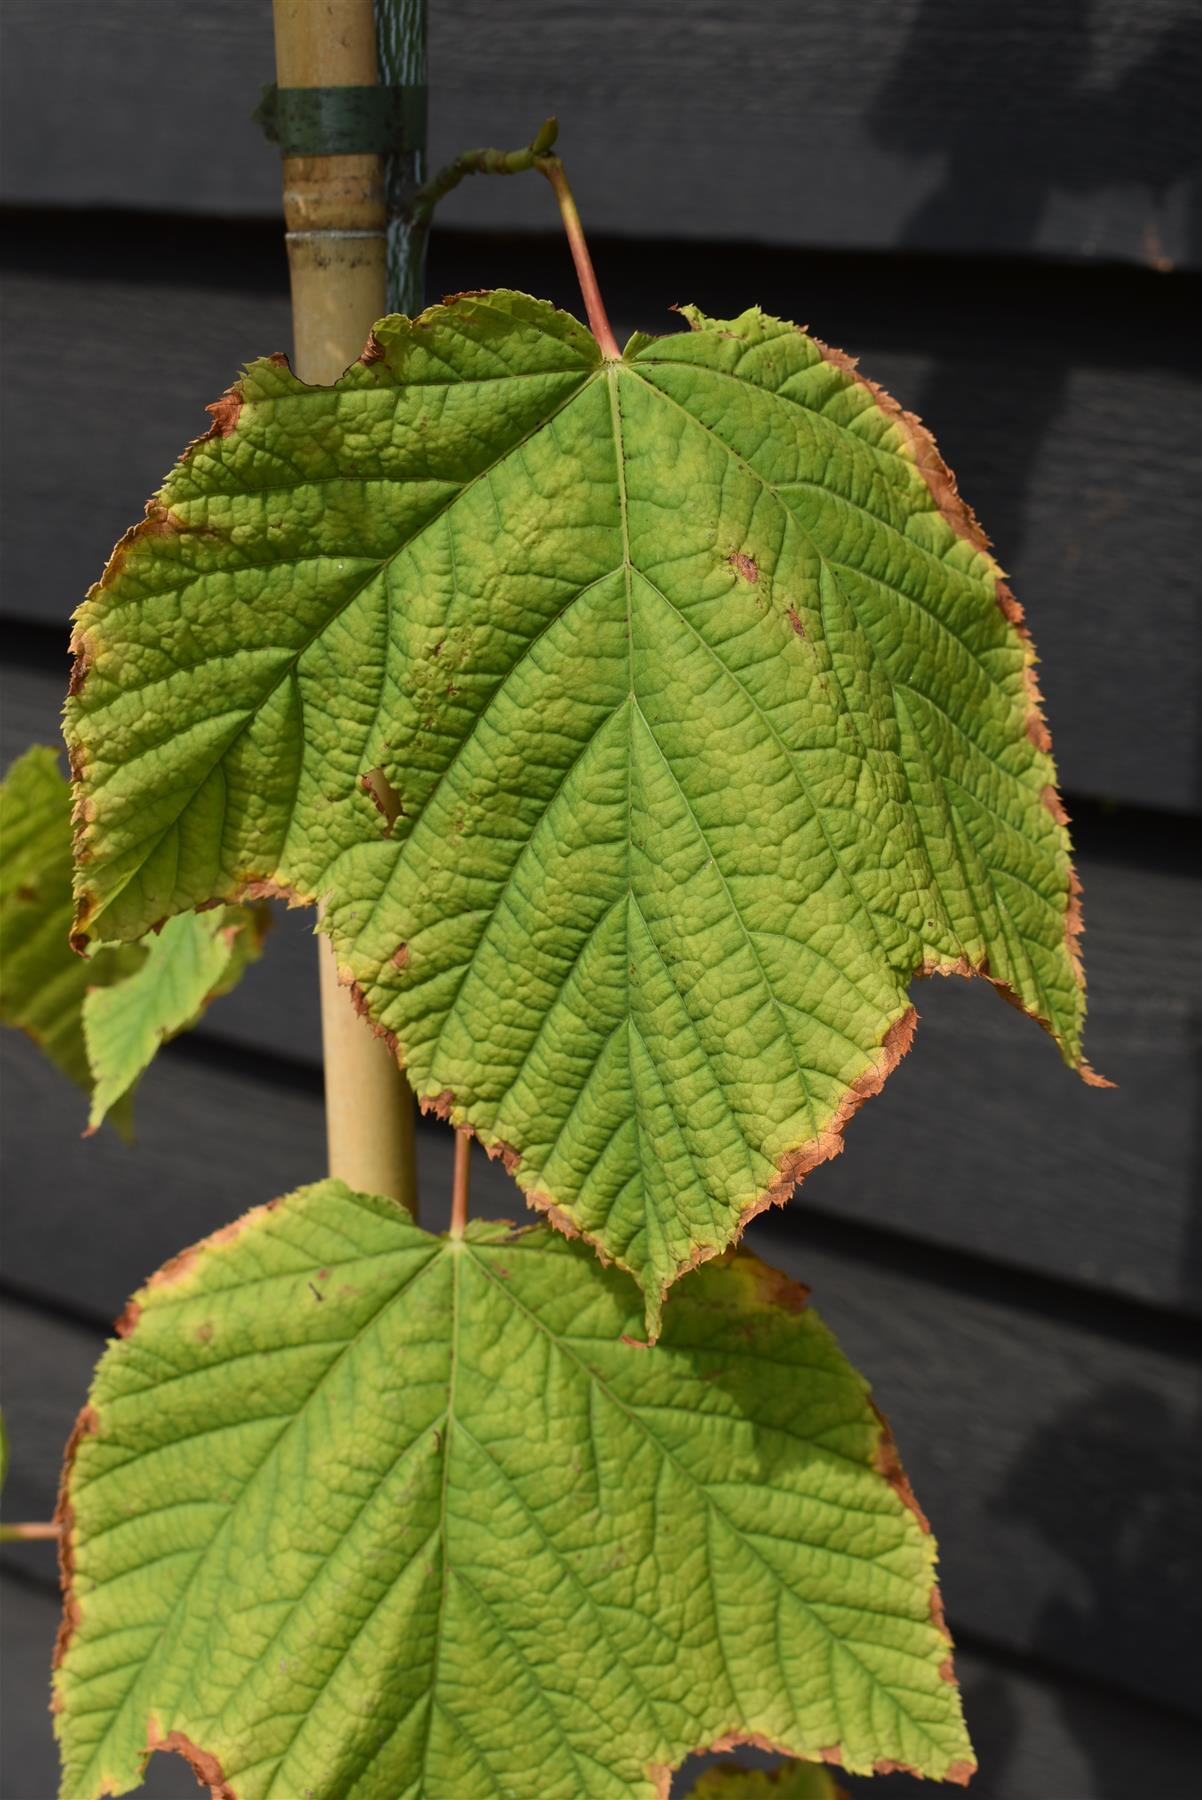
1037 730
510 1158
86 1425
775 1288
400 957
1011 606
564 1222
204 1333
203 1764
178 1268
359 1002
81 654
383 796
744 565
465 294
260 888
225 412
795 620
938 1617
1051 800
125 1324
161 522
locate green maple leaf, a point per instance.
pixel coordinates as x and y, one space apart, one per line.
100 1019
645 726
355 1510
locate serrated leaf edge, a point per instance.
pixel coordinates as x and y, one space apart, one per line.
779 1289
792 1168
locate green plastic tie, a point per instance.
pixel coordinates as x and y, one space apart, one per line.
344 121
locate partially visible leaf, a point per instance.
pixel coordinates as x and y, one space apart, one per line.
43 983
194 959
357 1511
792 1781
645 725
100 1019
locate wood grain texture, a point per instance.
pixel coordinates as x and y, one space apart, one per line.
1075 440
1006 126
981 1141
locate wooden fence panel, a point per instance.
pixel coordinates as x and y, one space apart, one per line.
1006 126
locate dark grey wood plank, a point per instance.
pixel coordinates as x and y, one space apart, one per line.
997 127
86 1219
1069 412
1058 1464
981 1141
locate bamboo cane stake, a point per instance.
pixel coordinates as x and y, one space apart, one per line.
335 217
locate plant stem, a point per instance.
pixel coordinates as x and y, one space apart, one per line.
460 1182
335 214
598 319
535 155
12 1534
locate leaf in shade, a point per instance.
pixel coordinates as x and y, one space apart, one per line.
193 960
792 1781
100 1019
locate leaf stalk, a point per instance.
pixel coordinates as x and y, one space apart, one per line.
537 154
16 1534
460 1182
